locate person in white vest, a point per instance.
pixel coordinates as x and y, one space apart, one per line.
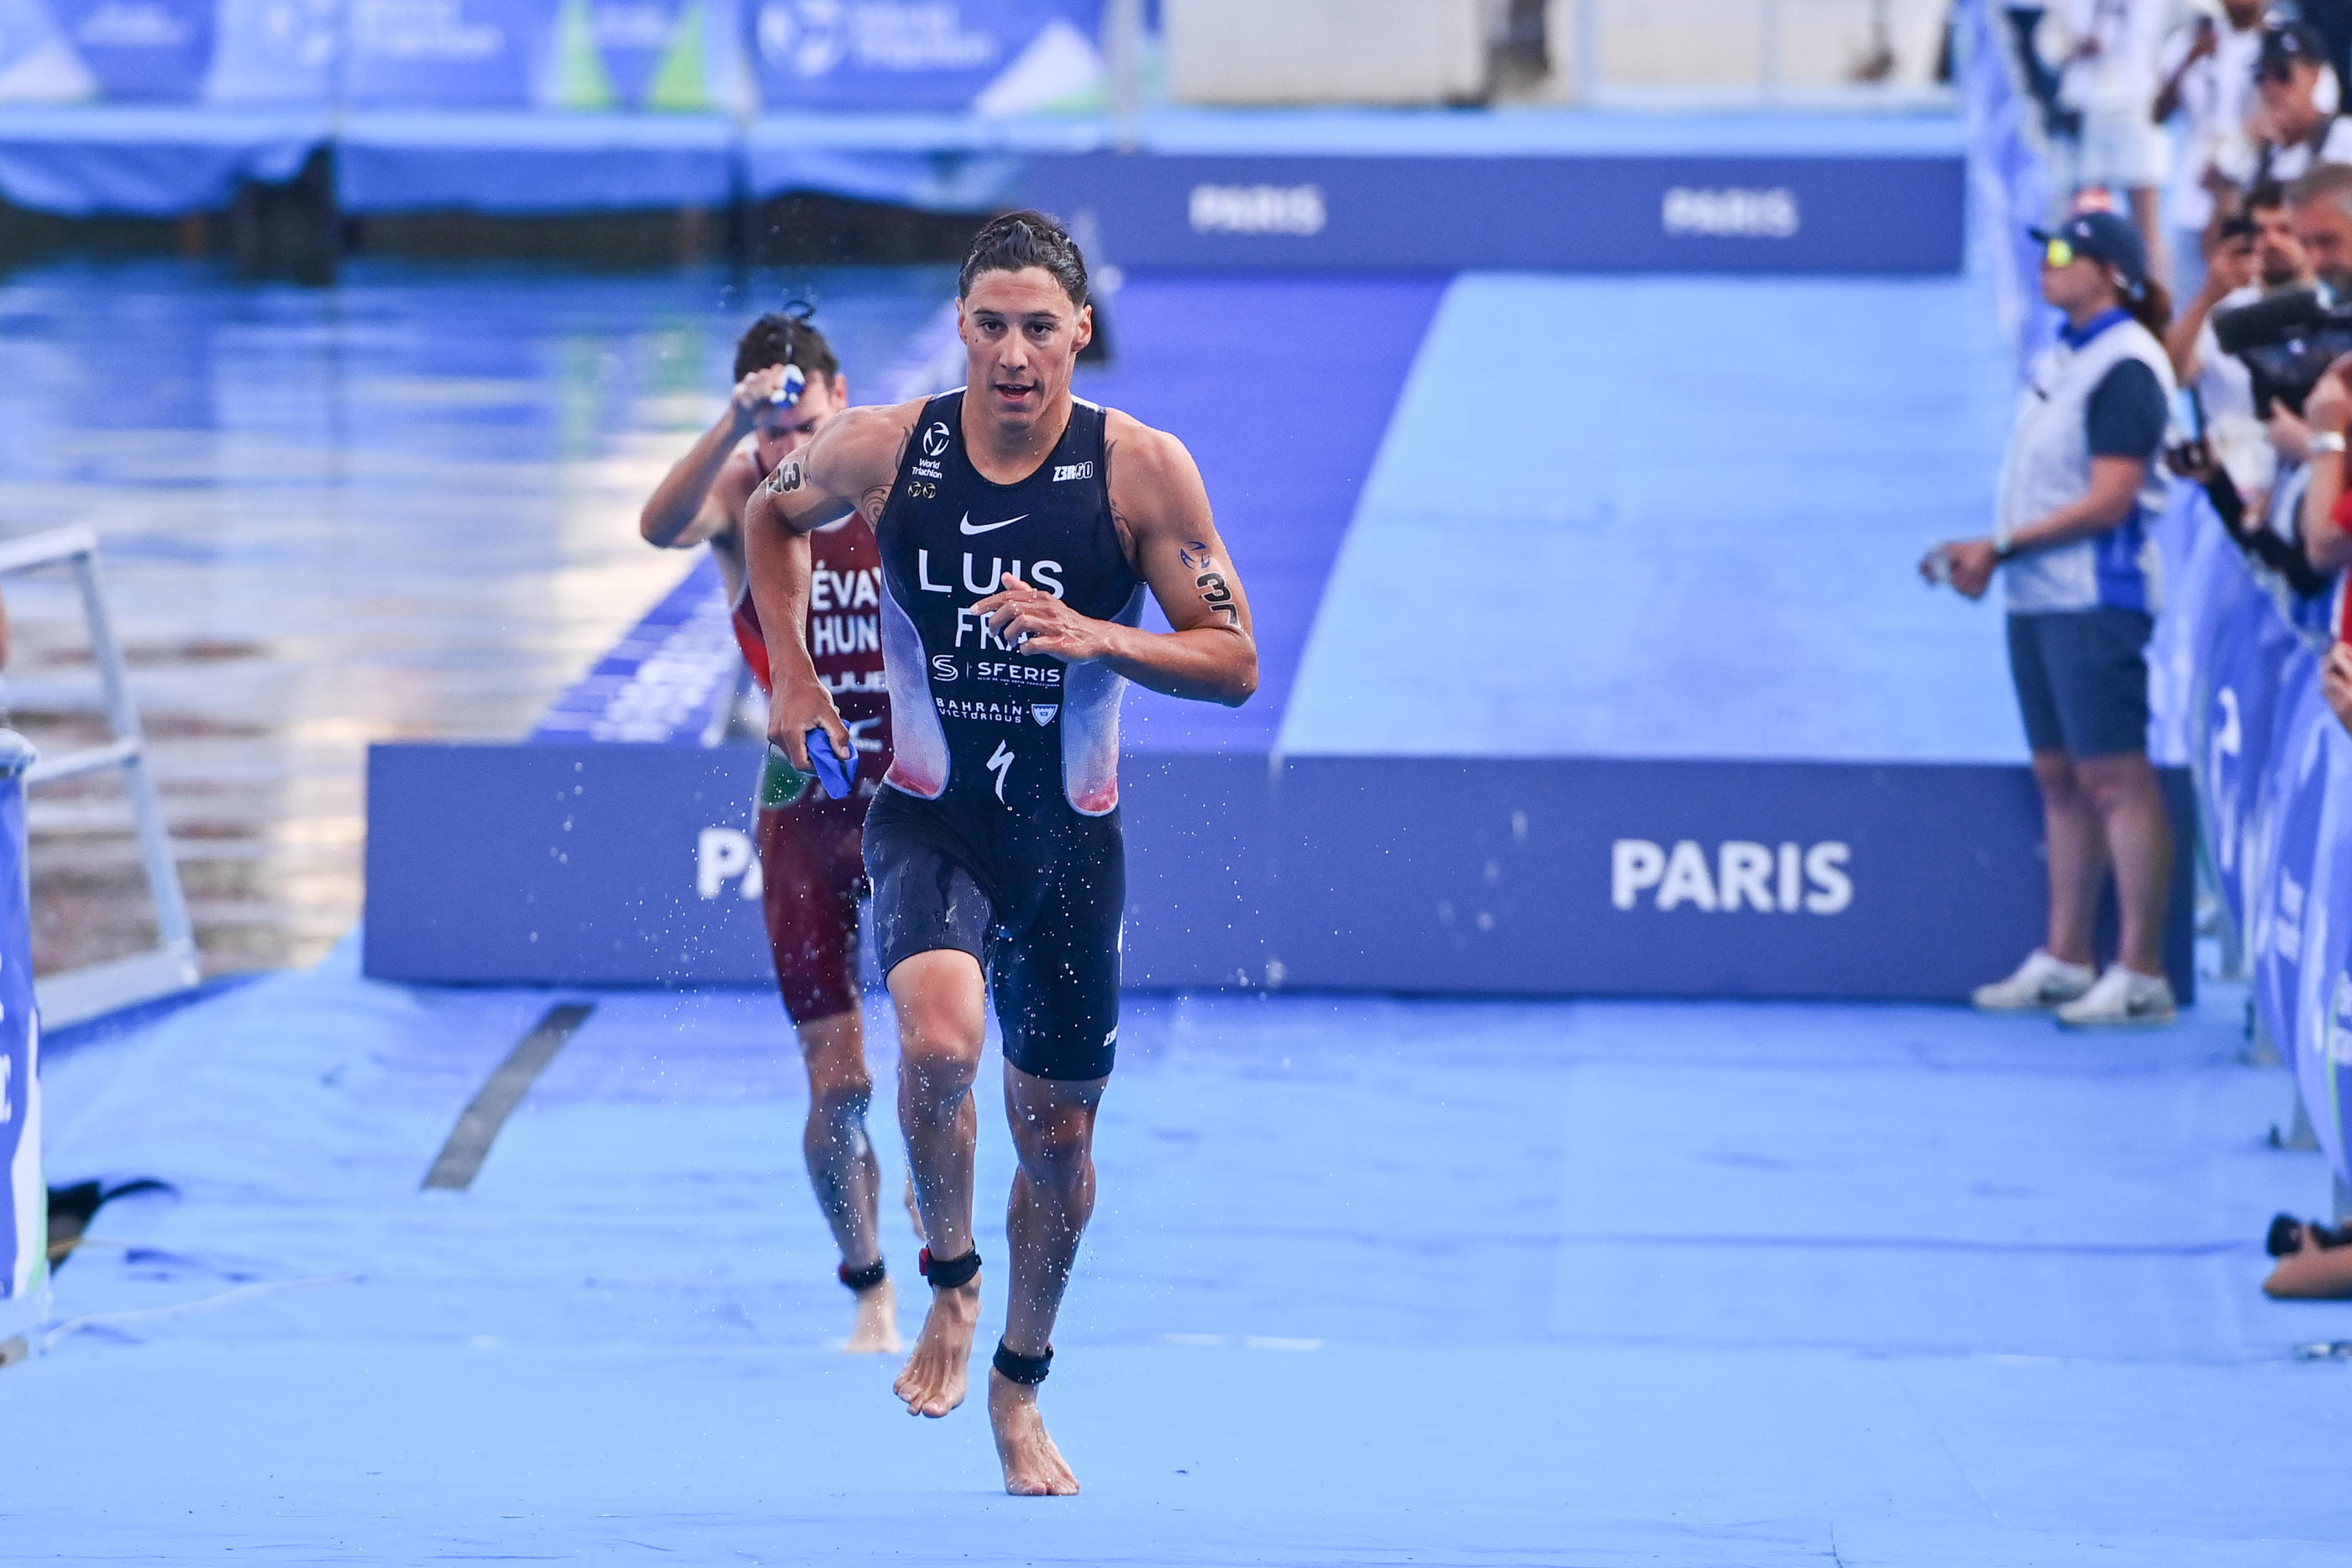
2079 491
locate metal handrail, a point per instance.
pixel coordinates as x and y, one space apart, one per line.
72 995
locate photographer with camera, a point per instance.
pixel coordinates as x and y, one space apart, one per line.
2322 203
2256 256
2078 490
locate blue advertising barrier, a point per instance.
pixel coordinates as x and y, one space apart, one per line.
1632 214
633 865
23 1196
2323 998
2274 768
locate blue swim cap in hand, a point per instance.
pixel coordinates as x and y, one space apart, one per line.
835 776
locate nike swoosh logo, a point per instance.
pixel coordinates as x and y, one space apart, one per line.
987 527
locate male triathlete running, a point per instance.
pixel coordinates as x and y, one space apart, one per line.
1019 528
788 382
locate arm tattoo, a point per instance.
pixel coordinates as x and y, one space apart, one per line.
1216 592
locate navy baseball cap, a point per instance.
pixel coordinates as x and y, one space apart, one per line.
2103 236
2290 43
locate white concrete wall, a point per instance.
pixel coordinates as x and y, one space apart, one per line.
1434 51
1326 51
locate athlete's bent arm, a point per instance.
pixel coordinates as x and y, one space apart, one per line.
682 511
847 465
1162 512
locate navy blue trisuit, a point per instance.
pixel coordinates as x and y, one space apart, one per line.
996 831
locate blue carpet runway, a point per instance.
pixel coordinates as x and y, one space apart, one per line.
1373 1282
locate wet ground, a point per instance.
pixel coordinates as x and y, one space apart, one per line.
399 508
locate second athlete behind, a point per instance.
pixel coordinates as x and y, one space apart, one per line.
788 383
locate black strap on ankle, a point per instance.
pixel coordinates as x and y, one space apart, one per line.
949 1273
1029 1370
864 1280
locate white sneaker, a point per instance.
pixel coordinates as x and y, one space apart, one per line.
2041 982
2124 999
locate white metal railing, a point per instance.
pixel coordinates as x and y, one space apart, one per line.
76 994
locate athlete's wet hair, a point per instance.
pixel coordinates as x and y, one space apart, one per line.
786 338
1025 239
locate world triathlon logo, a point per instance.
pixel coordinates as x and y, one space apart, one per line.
815 37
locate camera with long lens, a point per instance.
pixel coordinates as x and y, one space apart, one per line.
2287 342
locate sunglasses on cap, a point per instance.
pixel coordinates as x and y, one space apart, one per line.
2057 253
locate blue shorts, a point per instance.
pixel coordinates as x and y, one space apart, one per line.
2082 680
1037 901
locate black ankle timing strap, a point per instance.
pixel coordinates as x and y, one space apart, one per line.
1025 1369
864 1280
949 1273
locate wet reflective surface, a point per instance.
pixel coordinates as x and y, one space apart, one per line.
401 508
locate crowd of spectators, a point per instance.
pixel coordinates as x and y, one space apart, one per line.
2205 143
2217 128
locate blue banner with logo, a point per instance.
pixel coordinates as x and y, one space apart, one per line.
1001 56
23 1214
142 51
446 54
2322 1049
2242 650
2284 837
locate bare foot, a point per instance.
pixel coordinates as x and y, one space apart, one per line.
932 1382
1033 1466
2312 1273
877 1321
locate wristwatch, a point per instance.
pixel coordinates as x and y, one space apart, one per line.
2004 548
2328 441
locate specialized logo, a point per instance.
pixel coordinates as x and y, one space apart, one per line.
935 439
966 525
1044 713
1001 764
943 668
1073 471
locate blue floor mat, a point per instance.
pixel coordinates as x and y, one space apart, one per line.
1373 1281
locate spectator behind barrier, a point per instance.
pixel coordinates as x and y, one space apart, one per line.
2111 80
2071 533
2208 79
2323 217
2335 681
2296 124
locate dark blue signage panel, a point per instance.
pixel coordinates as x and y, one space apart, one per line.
633 865
1572 214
